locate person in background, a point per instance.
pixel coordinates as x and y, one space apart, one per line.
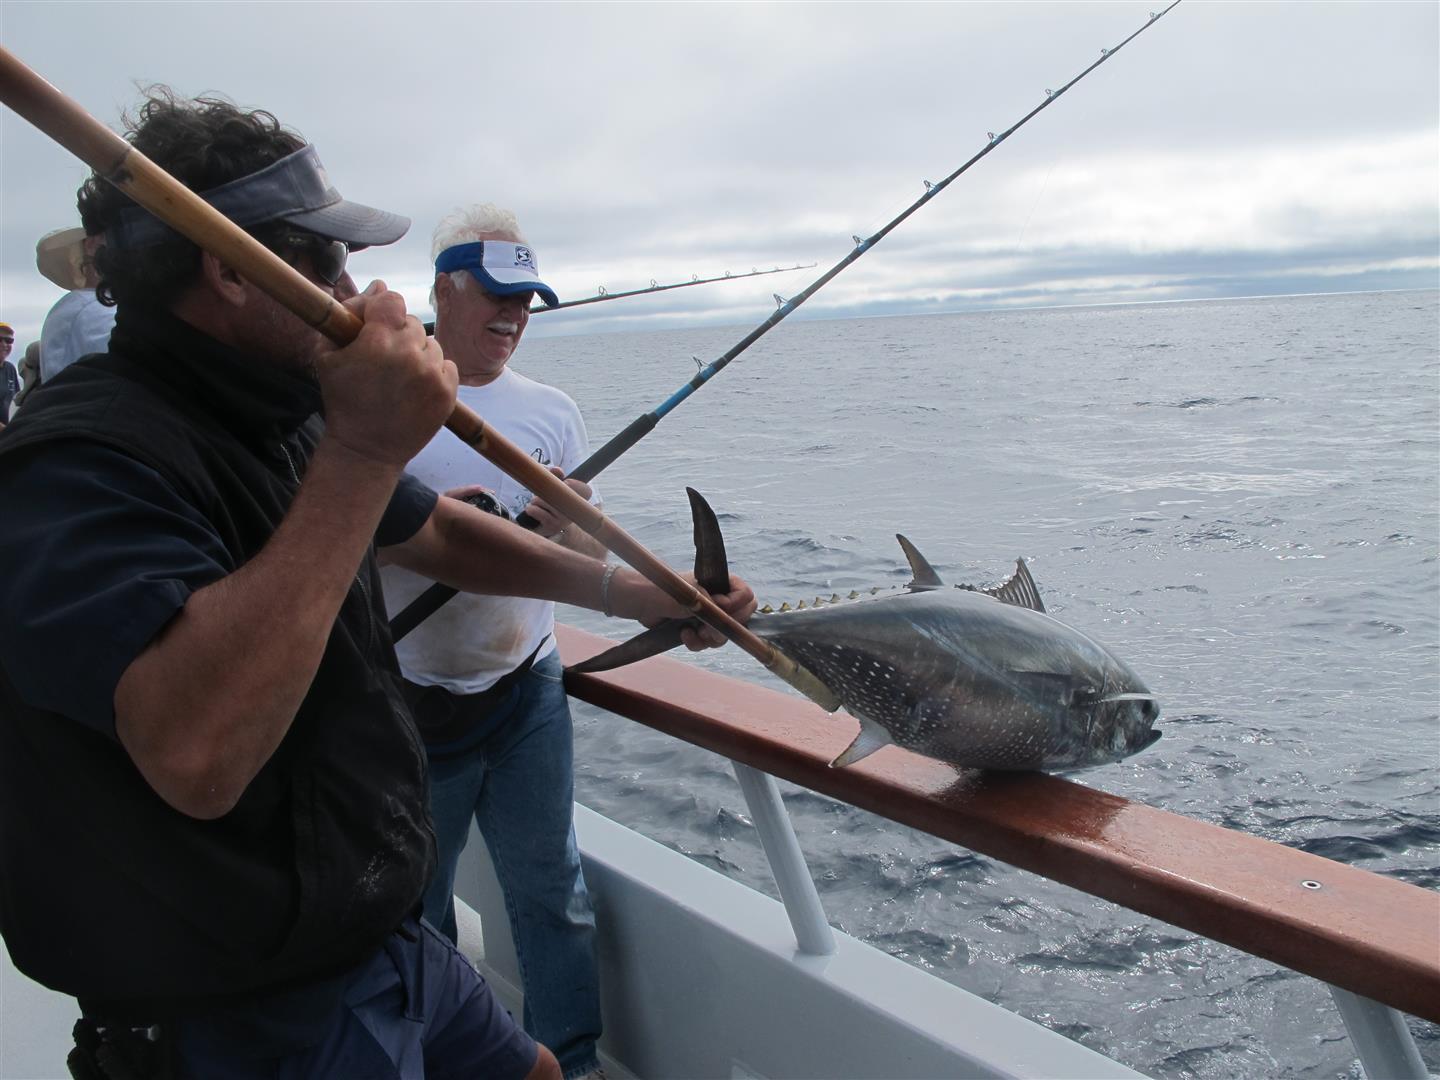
482 675
29 374
213 826
78 324
9 376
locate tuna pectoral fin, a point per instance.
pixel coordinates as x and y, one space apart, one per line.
652 642
871 738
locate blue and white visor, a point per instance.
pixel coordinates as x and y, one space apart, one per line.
295 189
503 267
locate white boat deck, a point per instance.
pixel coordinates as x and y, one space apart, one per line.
702 978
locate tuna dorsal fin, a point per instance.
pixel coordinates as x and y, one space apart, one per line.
923 574
871 738
1019 589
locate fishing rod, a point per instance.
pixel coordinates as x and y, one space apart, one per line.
187 213
435 597
540 309
603 294
643 425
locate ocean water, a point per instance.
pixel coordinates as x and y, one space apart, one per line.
1241 498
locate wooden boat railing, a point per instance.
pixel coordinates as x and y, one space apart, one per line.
1371 936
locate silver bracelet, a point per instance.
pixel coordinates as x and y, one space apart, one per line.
605 590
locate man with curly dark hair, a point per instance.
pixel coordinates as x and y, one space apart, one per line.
212 795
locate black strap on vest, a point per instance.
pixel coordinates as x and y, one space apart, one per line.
443 717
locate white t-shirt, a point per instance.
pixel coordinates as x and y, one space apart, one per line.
473 640
76 326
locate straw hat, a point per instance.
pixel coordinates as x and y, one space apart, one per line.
60 256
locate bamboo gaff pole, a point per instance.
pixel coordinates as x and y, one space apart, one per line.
63 120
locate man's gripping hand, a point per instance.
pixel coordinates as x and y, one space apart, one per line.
389 390
636 598
738 602
547 521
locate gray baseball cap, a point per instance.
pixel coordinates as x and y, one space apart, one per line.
295 189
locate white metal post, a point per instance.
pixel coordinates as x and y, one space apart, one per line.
777 837
1381 1040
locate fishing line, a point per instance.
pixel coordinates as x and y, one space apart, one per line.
1044 186
1083 113
433 598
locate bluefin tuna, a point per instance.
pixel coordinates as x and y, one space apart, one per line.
982 678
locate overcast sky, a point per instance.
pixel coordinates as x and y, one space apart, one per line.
1233 149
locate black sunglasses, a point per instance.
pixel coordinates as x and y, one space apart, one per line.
327 257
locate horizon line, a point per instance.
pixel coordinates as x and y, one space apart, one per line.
595 330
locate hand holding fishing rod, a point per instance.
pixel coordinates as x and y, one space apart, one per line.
436 596
183 210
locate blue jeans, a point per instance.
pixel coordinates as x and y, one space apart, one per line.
415 1009
513 773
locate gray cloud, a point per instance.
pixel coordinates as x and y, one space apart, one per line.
1251 148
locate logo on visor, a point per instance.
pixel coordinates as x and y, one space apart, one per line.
523 257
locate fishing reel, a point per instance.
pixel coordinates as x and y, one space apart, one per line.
483 500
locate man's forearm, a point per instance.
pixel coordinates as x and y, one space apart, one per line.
203 707
473 551
477 552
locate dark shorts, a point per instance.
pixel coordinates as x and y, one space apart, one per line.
416 1009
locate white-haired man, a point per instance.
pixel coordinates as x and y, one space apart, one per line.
482 674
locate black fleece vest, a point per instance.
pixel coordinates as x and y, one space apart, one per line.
107 893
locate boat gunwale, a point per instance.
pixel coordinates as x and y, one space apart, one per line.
1367 933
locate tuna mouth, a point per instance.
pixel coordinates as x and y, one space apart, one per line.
1151 738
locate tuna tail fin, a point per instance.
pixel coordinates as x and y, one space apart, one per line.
712 571
712 568
923 574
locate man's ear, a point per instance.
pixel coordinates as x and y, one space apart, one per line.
220 279
444 289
